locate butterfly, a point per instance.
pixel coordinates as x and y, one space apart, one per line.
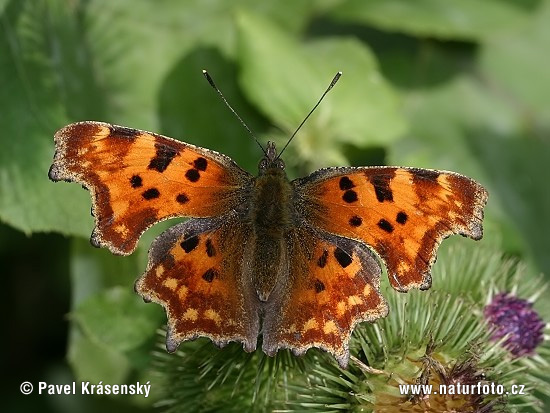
297 262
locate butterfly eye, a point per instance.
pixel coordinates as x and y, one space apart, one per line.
279 163
263 164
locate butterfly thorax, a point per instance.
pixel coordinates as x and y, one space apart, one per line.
271 203
271 218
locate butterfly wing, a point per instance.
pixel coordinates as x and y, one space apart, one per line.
139 178
401 213
333 284
195 273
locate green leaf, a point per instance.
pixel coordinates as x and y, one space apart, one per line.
94 270
517 63
104 303
136 43
31 112
438 118
284 77
93 361
449 19
117 318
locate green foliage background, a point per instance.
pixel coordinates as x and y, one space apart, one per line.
461 85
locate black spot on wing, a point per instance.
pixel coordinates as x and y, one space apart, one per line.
350 196
192 175
355 221
319 286
342 257
182 198
189 244
200 164
210 249
424 175
136 181
209 275
346 183
401 218
381 184
385 225
151 193
322 261
163 157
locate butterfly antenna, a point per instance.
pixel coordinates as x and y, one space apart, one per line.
211 81
334 80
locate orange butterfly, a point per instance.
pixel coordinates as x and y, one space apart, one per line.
295 261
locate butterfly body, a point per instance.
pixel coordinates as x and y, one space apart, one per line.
297 262
271 218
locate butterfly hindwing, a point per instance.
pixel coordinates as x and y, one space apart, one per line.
401 213
333 284
139 178
195 273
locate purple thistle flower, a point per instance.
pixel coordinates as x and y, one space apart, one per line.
515 317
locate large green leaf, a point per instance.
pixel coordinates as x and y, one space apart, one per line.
137 42
31 93
93 361
449 19
284 77
439 117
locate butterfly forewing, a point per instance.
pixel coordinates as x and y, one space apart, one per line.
139 178
401 213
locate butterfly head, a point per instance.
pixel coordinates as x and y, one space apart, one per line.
270 160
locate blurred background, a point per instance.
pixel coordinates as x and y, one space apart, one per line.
460 85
